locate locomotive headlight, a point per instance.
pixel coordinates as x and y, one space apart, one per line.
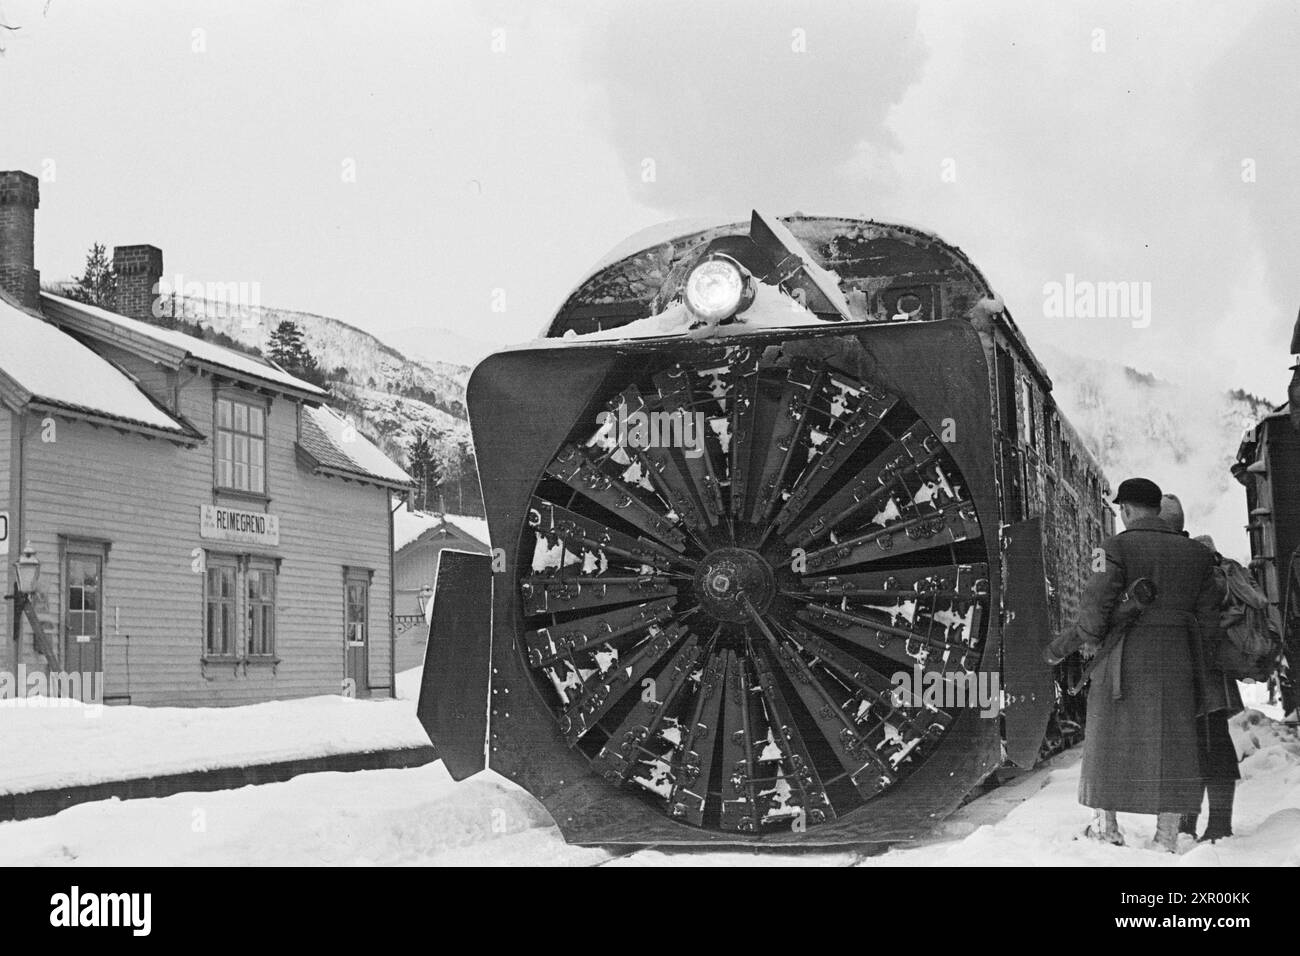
717 288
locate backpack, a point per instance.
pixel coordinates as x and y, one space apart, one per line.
1251 626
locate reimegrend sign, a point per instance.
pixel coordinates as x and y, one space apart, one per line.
245 527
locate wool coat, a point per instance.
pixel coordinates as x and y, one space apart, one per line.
1140 753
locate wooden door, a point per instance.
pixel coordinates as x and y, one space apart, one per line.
356 637
83 619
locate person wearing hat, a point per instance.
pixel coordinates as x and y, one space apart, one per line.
1140 753
1172 514
1218 700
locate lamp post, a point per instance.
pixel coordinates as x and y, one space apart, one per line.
426 595
27 572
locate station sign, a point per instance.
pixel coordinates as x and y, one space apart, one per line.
243 527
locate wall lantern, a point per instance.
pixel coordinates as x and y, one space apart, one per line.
27 571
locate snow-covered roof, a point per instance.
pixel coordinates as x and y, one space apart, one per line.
335 445
40 363
660 233
408 526
476 528
128 333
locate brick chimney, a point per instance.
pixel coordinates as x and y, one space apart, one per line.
139 269
20 194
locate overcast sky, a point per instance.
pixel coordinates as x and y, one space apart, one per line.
508 145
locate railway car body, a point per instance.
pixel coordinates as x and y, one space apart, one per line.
780 574
1268 466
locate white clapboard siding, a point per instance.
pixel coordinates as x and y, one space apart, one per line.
8 550
144 496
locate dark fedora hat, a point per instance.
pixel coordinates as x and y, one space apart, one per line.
1138 491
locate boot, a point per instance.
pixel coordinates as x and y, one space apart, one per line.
1166 832
1187 823
1104 828
1219 826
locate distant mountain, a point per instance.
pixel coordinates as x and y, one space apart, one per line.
1182 437
369 362
391 397
424 344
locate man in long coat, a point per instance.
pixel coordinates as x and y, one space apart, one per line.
1218 699
1140 752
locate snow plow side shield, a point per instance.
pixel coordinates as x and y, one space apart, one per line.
457 663
1026 677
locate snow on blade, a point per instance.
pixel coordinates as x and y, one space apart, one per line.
772 309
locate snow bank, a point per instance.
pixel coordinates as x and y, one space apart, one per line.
1039 829
408 684
49 747
415 816
419 816
1255 696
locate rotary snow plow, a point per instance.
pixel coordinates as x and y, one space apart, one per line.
754 580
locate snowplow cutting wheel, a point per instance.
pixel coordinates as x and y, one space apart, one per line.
769 503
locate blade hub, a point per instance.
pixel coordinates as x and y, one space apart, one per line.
727 573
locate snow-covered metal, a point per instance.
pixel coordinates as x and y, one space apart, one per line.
751 569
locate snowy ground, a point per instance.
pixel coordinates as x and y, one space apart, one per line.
1040 830
377 817
420 816
43 747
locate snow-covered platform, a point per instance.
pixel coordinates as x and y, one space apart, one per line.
420 816
49 748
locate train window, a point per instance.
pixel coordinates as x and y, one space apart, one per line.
1030 436
1012 502
1031 499
1006 374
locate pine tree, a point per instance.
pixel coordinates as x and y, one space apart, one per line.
288 350
425 468
98 283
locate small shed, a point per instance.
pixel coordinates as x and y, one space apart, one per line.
418 538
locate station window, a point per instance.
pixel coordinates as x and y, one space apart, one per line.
241 445
260 588
239 604
222 597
